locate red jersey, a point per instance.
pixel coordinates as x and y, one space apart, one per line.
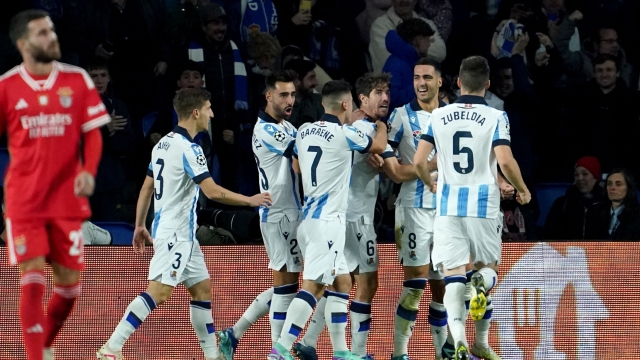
45 119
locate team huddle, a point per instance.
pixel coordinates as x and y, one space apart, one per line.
448 220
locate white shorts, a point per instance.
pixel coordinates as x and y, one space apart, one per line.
176 262
414 238
281 242
322 244
458 238
361 247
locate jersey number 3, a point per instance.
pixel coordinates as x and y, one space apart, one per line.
457 150
160 180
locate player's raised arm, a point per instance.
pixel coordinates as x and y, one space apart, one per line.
420 159
509 165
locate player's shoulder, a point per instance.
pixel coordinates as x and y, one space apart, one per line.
363 125
14 72
75 72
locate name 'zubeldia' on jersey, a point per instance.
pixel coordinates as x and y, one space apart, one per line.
463 115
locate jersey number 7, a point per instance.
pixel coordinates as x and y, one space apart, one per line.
314 165
457 150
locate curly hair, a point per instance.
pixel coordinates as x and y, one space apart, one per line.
263 45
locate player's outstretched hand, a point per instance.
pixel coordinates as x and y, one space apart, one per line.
263 199
84 184
140 237
523 197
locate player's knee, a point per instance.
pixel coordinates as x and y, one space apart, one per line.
159 292
416 272
64 276
201 291
35 264
367 285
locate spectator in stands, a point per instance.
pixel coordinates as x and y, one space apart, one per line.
604 117
293 52
441 12
264 51
604 41
113 185
373 10
294 23
183 25
225 77
618 217
568 216
308 106
401 10
408 43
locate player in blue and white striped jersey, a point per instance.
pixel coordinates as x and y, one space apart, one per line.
472 139
273 142
177 173
415 212
324 150
360 250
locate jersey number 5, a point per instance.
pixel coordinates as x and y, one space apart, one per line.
314 165
159 178
457 150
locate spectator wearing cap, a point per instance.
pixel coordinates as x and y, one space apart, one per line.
225 77
618 217
402 10
567 219
308 106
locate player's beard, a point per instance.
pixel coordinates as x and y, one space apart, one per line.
431 93
281 112
43 55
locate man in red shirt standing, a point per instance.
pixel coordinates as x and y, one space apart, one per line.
51 112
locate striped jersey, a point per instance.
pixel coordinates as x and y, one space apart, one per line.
324 150
465 134
272 145
407 124
177 167
365 180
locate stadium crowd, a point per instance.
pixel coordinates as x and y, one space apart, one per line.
565 72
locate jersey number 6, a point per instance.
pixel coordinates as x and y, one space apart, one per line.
457 150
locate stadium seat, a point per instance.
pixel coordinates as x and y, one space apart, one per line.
121 232
147 123
547 194
4 163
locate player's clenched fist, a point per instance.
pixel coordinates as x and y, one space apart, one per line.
523 197
263 199
84 184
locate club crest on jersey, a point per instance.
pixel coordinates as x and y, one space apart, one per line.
413 256
64 93
20 244
296 260
370 261
43 100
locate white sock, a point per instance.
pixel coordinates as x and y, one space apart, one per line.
483 325
202 322
406 314
297 316
454 303
136 313
360 325
317 323
490 278
438 325
282 297
336 317
258 308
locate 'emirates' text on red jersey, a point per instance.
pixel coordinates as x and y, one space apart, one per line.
44 119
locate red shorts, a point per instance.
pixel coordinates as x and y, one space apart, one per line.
58 240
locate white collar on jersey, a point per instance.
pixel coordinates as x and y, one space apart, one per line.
33 84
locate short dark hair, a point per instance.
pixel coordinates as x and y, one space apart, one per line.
597 32
369 81
187 100
286 76
301 67
333 90
19 24
474 73
189 65
426 61
410 28
602 58
98 64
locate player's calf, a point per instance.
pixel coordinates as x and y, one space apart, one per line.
406 315
32 320
360 311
